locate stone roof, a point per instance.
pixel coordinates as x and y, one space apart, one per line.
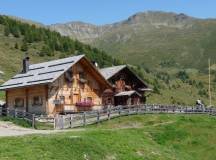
127 93
41 73
111 71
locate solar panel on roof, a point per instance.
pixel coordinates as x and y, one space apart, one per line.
41 73
11 84
58 64
36 68
22 76
51 72
40 80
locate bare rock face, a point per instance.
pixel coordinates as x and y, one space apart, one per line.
87 33
84 32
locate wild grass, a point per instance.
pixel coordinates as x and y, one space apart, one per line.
27 124
17 121
151 137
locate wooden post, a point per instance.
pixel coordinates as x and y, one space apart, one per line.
0 111
119 110
98 116
84 118
7 111
62 122
71 121
27 100
33 120
54 125
47 99
15 113
109 114
6 98
137 109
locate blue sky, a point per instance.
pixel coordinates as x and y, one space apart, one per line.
100 11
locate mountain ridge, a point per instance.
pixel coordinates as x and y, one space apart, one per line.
160 36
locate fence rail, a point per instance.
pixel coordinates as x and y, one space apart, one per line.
91 117
18 114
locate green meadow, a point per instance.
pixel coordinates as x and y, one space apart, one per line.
149 137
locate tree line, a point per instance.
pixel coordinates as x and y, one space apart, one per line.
52 42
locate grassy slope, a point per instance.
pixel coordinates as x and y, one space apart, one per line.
184 48
178 92
149 46
11 64
149 137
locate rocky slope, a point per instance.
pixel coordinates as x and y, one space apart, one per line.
151 39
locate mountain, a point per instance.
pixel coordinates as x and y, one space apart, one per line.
151 39
170 85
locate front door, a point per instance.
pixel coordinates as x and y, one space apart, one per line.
76 98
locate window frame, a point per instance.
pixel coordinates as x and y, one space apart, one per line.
40 100
15 102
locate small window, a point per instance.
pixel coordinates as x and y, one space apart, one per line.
19 103
81 75
89 99
37 101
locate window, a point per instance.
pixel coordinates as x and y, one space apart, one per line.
89 99
69 76
81 75
19 103
37 101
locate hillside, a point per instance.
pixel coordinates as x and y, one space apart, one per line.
151 137
151 39
18 38
170 84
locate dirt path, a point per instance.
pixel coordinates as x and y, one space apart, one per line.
9 129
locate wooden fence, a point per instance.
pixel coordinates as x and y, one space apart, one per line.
91 117
18 114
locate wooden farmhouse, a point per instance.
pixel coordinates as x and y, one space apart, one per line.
72 84
128 88
59 86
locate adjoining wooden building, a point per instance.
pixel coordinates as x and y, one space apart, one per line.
128 88
59 86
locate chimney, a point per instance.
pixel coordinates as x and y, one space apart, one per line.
95 64
25 65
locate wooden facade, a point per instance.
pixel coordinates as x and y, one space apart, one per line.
128 88
71 84
80 85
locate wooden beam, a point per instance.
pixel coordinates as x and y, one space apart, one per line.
27 99
46 99
6 98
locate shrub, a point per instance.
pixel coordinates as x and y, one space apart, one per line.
182 75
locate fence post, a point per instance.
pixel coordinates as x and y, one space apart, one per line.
33 120
108 114
7 111
98 116
71 120
84 118
128 110
54 125
15 113
119 110
0 111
